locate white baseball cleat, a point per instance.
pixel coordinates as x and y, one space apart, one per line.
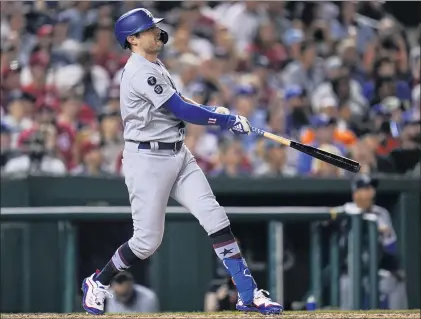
261 303
94 294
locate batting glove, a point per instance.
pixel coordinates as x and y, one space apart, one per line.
241 126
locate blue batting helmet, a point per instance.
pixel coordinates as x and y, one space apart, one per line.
135 21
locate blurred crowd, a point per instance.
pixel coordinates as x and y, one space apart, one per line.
344 77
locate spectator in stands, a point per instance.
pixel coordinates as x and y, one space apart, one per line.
347 52
92 160
385 82
324 134
266 44
203 145
129 297
242 20
111 138
323 169
280 17
278 63
347 25
298 112
233 162
343 88
186 73
5 145
18 118
39 149
276 162
245 104
383 114
364 152
37 75
77 17
307 71
113 100
328 105
103 49
292 39
10 80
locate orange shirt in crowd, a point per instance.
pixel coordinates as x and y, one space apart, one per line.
345 137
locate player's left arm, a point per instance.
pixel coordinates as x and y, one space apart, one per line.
216 109
387 232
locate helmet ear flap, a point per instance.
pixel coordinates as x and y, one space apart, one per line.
163 36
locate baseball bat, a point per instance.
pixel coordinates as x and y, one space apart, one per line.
339 161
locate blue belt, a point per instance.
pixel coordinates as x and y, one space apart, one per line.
161 145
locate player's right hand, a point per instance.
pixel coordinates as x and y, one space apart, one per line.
241 126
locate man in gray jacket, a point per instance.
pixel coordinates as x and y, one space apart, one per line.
130 297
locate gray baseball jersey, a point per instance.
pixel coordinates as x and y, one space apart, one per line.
153 175
145 87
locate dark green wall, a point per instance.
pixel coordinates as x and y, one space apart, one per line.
175 258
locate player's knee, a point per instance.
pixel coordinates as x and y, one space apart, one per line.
144 245
212 217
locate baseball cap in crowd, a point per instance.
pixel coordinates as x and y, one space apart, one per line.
293 36
321 120
364 181
293 91
325 102
45 30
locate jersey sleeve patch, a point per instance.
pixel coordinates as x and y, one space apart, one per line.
158 89
151 80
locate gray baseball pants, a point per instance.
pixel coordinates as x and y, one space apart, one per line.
152 176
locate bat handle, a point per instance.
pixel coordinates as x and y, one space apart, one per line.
257 131
271 136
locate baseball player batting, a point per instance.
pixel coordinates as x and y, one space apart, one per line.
157 164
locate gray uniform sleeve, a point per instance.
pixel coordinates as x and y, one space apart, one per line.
153 304
151 85
387 232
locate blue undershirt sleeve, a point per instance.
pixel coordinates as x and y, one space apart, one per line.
199 115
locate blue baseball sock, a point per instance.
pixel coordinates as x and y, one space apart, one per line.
227 249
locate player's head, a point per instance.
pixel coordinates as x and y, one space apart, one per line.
122 285
138 31
364 190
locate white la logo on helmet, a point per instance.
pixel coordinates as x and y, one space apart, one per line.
148 13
